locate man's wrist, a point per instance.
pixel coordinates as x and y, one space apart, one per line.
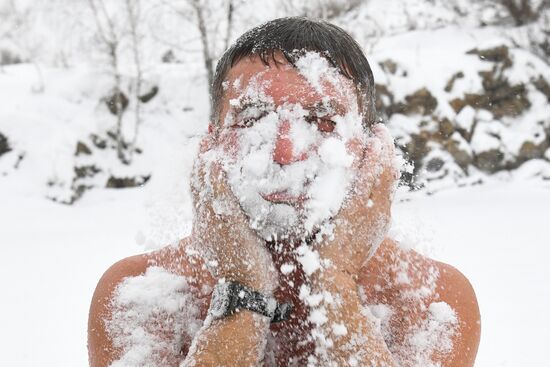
334 278
258 282
229 298
339 257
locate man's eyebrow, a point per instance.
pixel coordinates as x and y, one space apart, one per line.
248 103
328 107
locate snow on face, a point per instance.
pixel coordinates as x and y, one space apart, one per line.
317 70
291 174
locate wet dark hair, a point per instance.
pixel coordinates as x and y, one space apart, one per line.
293 36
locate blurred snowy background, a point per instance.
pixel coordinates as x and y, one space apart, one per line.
103 102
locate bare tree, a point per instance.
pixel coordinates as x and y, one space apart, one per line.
214 38
207 52
229 23
534 37
523 11
17 23
321 9
538 37
111 40
133 9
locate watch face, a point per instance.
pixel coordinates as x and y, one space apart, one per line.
219 303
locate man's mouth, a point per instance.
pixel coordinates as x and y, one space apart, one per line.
283 197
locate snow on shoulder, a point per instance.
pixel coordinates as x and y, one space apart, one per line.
151 314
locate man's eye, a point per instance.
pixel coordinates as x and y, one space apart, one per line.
246 123
247 118
324 124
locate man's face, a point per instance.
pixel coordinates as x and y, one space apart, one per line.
289 140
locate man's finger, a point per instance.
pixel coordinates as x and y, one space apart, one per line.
198 180
388 143
206 144
217 180
369 169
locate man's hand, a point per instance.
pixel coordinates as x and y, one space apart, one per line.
222 233
345 334
222 236
363 222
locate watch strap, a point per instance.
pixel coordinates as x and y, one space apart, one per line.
229 297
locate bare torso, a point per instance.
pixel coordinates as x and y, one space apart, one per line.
399 287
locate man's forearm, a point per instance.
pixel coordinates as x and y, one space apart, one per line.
237 340
347 337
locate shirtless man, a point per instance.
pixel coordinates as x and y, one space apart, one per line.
290 98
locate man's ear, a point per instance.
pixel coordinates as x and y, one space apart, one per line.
210 127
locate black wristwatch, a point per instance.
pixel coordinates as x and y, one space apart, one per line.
229 297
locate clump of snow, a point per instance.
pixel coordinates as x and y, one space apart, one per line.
339 329
308 258
287 268
317 70
151 314
465 118
381 315
434 335
318 316
302 135
486 137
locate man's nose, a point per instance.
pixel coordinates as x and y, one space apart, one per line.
284 150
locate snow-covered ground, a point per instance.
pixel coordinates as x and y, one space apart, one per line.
53 255
497 234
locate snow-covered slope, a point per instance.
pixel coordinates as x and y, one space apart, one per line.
496 233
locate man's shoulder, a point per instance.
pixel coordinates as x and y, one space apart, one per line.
171 263
419 270
404 273
100 349
171 259
454 289
454 286
451 285
127 267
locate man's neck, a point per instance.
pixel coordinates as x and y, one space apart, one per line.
290 272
